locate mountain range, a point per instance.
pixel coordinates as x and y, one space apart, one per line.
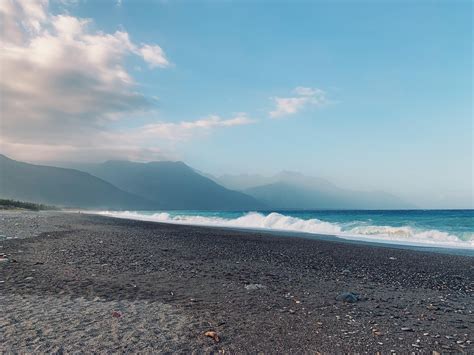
119 185
168 185
290 190
172 185
62 187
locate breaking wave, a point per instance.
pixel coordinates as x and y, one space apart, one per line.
278 222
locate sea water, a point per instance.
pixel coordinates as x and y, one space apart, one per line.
432 228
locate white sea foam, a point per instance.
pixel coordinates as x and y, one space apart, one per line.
279 222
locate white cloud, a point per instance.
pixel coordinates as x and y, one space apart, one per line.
136 144
56 72
186 129
153 55
304 97
98 152
304 91
63 87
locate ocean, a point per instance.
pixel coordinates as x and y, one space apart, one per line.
426 228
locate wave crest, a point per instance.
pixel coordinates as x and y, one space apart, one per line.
279 222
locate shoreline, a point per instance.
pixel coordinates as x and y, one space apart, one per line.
315 236
91 283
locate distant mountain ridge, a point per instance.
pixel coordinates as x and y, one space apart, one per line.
62 187
168 185
172 185
242 182
290 190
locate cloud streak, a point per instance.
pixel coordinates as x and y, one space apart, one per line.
186 129
138 144
303 97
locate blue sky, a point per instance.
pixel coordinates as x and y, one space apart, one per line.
384 99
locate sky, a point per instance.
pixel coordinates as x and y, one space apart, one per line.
370 95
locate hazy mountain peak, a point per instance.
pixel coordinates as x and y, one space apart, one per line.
247 181
169 163
289 173
62 187
150 163
172 185
290 189
120 184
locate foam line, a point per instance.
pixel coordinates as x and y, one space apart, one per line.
279 222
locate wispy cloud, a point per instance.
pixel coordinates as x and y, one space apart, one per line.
186 129
153 55
101 150
302 98
137 143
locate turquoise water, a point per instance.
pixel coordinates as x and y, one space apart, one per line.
434 228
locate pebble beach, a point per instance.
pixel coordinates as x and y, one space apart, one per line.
73 282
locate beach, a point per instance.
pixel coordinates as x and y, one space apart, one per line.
74 282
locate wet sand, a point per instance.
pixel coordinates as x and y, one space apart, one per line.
75 282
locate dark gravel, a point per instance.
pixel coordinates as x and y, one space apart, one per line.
256 291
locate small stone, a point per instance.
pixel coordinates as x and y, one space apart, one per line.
252 287
376 332
348 297
212 334
407 329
